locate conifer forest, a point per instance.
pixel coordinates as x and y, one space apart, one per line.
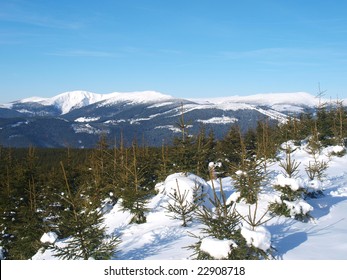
65 190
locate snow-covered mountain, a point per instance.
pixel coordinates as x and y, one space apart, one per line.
67 101
294 102
77 118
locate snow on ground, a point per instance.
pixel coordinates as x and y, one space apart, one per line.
163 238
219 120
85 119
49 237
218 249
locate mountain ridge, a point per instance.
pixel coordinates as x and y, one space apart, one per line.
78 118
67 101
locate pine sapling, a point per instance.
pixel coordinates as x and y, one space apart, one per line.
88 239
290 166
181 208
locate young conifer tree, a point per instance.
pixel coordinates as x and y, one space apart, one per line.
135 188
223 222
82 214
266 145
205 150
316 168
8 202
180 208
21 220
248 174
339 125
291 191
102 167
229 147
183 147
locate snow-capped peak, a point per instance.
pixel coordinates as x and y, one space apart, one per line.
73 99
77 99
136 97
65 101
268 99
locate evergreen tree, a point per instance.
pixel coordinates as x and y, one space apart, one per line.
339 123
205 151
290 189
102 167
266 145
135 188
228 149
164 163
182 209
21 221
183 147
222 222
248 175
83 215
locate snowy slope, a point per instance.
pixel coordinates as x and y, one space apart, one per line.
162 238
67 101
268 99
280 102
136 97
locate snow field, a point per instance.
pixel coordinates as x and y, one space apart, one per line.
324 236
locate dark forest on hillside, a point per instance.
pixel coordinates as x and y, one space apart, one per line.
45 189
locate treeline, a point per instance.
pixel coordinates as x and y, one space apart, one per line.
67 190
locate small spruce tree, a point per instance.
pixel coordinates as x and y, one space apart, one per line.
182 209
248 175
291 202
82 214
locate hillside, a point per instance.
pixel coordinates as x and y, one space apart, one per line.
78 118
323 236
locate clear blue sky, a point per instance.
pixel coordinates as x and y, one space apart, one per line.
185 48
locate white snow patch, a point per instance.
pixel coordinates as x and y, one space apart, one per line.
19 124
282 118
259 236
170 127
115 122
192 185
161 104
292 183
87 128
341 192
314 185
219 120
218 249
334 150
240 173
298 207
49 237
338 149
233 197
85 119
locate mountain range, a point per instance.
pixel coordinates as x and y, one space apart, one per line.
78 118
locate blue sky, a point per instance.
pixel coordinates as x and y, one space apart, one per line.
185 48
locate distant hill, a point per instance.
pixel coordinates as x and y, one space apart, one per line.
78 118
